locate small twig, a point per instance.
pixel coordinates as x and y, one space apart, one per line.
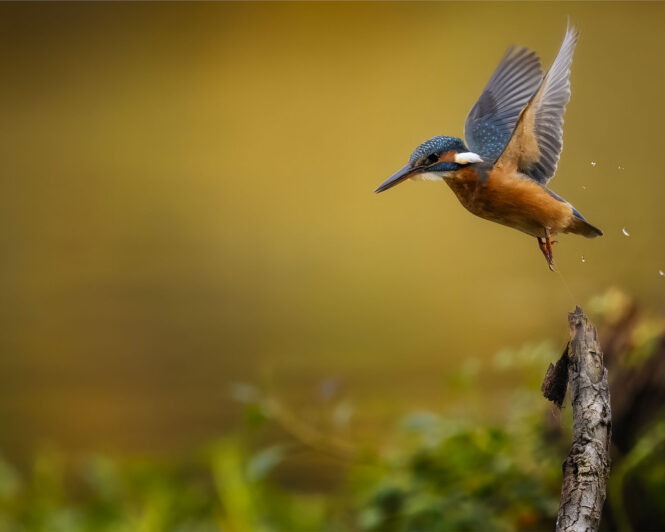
587 467
307 434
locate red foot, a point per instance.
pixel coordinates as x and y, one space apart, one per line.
545 245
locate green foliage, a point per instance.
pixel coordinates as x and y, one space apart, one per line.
458 478
433 473
225 490
444 476
436 474
645 462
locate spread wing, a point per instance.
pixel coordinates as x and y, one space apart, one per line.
538 137
492 119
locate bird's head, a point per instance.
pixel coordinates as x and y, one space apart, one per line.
434 160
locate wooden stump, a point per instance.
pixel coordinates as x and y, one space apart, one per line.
587 467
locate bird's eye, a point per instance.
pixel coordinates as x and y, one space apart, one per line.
431 159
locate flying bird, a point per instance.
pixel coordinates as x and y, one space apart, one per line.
514 135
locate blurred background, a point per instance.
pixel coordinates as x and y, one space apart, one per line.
189 230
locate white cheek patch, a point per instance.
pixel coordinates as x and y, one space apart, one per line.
467 158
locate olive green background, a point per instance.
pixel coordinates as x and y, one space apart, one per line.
187 203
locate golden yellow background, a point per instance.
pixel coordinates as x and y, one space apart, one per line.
187 203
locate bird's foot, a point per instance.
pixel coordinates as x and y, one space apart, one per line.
545 245
548 243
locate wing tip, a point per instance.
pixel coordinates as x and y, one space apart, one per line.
572 32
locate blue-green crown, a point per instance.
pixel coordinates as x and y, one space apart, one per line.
438 145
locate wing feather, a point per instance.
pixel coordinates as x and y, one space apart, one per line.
492 119
537 141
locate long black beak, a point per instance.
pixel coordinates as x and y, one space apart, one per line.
399 176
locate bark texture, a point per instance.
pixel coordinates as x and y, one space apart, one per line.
587 467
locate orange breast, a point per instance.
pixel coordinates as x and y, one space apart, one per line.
507 198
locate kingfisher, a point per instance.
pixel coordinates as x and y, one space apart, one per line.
514 134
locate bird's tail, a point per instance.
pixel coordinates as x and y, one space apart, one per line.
584 228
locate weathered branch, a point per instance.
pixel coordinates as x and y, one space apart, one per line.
587 467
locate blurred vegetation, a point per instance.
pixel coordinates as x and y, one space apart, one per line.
434 472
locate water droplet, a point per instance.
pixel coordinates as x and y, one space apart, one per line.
583 259
583 187
593 163
625 232
619 167
661 273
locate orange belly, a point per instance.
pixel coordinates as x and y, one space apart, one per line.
510 199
